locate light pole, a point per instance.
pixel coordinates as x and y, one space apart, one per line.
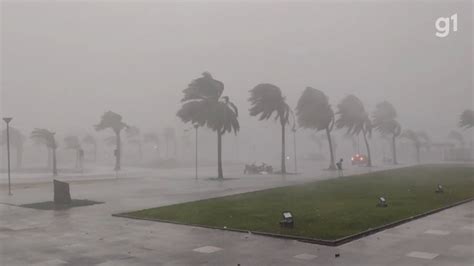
7 121
196 126
294 147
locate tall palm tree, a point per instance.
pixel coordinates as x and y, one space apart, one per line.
203 104
134 137
267 99
17 139
314 112
73 143
113 121
90 140
414 137
170 135
457 136
352 115
467 119
425 139
46 137
386 124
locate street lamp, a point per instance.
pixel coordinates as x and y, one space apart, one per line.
294 147
196 126
7 121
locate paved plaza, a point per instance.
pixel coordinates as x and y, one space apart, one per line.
91 236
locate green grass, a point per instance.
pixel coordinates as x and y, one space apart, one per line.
329 209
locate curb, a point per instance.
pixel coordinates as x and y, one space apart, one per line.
335 242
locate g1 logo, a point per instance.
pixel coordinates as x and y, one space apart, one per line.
443 25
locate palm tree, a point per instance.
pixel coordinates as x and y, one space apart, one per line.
113 121
46 137
425 139
352 115
467 119
267 99
455 135
73 143
314 112
386 124
90 140
133 136
414 137
17 139
170 135
203 105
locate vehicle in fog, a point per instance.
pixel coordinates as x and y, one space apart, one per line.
359 159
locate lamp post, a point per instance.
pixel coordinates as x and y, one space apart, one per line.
294 147
196 126
7 121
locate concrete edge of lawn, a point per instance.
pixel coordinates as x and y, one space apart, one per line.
335 242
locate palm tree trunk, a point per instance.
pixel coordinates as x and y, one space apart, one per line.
55 170
394 151
332 165
283 157
119 151
369 158
220 175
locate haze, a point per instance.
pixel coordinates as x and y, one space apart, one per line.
65 64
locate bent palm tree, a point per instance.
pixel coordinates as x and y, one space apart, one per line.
73 143
267 99
17 140
113 121
314 112
386 124
352 115
414 137
203 105
467 119
46 137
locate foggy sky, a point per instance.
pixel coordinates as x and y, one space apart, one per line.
64 64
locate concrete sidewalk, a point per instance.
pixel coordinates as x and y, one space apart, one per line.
91 236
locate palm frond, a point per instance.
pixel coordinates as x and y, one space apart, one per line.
352 116
111 120
313 110
467 119
267 99
44 136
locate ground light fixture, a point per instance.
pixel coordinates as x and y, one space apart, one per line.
439 189
288 220
382 202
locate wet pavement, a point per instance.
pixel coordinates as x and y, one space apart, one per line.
91 236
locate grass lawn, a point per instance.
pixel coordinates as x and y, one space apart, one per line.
329 209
